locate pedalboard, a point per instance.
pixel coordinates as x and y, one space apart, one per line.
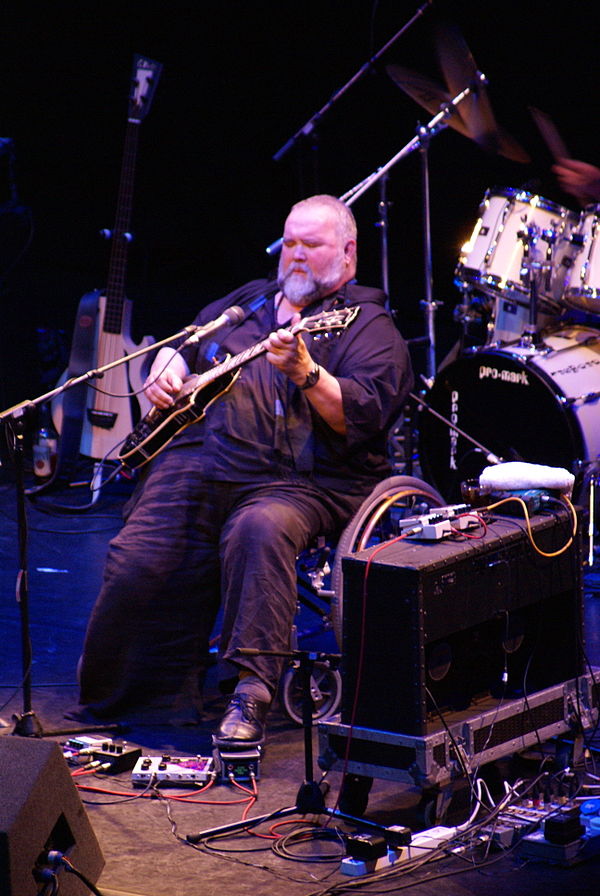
174 771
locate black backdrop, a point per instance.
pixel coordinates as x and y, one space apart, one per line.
240 79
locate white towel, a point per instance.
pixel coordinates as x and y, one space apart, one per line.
518 476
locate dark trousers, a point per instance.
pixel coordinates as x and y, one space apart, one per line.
187 546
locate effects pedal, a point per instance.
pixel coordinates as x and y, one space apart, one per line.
441 522
113 758
176 771
241 765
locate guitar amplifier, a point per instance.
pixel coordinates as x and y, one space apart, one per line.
430 627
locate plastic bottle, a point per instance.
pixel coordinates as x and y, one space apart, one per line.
45 446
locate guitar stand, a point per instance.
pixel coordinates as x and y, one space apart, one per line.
310 799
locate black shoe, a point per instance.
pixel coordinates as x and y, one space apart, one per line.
243 724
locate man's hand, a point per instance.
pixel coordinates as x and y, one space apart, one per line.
289 354
580 179
165 378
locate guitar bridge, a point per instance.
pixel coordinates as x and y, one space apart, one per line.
101 419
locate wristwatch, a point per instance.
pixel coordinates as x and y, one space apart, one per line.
312 378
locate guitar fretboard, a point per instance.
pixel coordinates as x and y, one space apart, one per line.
115 288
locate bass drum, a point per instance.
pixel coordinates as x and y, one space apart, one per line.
539 407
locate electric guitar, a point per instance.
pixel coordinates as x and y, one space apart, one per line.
103 318
199 391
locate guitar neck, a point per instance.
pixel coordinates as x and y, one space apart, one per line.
227 366
115 288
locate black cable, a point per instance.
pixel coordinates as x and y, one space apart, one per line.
56 859
282 846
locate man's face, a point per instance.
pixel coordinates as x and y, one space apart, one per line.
314 261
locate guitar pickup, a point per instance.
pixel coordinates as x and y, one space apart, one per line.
102 419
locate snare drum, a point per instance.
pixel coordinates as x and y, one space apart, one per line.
539 408
494 260
582 287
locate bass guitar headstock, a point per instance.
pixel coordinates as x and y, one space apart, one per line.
144 77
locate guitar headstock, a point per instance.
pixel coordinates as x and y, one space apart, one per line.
144 79
327 321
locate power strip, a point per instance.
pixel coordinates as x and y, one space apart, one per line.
178 771
422 843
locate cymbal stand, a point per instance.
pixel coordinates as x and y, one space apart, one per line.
421 142
383 225
424 134
428 304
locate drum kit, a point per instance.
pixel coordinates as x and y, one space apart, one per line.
531 390
528 387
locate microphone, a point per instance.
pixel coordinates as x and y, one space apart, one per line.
275 247
233 315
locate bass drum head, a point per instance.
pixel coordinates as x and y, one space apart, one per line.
506 403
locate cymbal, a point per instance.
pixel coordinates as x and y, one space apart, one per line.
460 69
428 94
473 117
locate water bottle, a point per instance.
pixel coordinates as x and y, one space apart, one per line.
45 446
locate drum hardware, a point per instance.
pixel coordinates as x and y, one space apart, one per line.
490 457
591 534
519 238
532 273
582 289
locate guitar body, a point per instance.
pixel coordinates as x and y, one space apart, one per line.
158 427
200 390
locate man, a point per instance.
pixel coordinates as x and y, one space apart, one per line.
287 453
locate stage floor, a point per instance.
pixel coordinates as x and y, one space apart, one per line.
142 838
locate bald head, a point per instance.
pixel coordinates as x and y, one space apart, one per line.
319 249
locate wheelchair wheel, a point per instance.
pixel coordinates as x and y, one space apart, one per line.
325 689
375 521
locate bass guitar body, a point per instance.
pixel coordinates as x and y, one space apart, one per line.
107 416
94 418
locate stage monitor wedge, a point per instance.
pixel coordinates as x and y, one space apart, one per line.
40 809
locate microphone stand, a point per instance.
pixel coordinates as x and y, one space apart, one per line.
308 128
27 724
420 141
309 799
489 455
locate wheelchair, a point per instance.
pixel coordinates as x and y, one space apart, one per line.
319 620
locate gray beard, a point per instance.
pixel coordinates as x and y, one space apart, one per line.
302 289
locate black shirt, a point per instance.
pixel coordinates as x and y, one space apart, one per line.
264 427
